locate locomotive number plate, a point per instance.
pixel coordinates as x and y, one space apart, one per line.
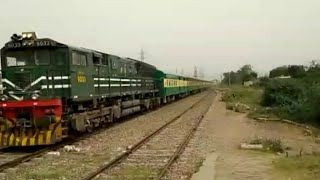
81 79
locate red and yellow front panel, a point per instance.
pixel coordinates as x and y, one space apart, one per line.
12 134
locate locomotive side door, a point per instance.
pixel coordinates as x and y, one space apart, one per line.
82 87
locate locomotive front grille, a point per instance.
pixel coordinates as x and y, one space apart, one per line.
22 79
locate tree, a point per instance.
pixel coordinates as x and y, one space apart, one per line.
230 77
245 73
279 71
296 71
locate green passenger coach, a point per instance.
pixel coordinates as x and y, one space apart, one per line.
173 86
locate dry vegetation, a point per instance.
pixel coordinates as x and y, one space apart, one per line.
305 166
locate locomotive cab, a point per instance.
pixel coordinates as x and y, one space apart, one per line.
33 77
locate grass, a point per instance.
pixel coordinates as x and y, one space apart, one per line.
45 174
239 98
242 99
130 172
272 145
303 168
75 163
247 95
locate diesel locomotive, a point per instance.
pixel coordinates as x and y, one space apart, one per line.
52 90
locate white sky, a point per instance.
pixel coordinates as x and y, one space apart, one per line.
215 35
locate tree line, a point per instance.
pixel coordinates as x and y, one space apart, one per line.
245 73
292 91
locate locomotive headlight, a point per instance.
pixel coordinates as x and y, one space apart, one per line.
4 97
24 43
34 96
24 36
29 35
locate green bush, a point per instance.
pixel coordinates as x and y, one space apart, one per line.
283 92
293 99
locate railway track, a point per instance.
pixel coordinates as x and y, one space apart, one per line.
152 156
9 159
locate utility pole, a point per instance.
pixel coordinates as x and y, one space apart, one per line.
142 55
195 72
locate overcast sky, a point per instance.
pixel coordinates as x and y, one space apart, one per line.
215 35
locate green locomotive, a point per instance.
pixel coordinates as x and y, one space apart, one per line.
52 90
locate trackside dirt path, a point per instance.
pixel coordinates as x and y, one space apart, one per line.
223 131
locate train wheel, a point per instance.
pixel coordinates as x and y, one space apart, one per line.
89 127
103 124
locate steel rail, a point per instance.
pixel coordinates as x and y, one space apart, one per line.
41 152
182 146
136 146
55 147
36 154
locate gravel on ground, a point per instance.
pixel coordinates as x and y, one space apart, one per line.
102 147
222 131
151 157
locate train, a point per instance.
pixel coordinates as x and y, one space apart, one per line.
52 90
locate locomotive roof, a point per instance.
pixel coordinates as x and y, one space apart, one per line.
151 66
99 52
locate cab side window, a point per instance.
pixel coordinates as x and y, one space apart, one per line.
96 60
79 59
83 60
60 58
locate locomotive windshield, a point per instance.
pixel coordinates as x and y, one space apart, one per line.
27 57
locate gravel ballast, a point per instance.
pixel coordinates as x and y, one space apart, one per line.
151 157
100 148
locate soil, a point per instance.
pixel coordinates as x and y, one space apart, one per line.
223 131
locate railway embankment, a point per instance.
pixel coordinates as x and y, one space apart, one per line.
213 150
288 151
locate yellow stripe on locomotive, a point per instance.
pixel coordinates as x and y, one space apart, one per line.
31 136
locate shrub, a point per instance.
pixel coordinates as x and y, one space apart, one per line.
273 145
293 99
